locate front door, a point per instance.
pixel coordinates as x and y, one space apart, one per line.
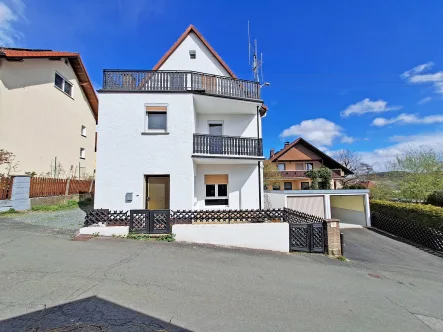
157 192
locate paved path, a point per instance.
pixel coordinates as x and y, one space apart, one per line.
127 285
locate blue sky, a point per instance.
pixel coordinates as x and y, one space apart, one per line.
361 75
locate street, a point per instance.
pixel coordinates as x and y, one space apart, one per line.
49 281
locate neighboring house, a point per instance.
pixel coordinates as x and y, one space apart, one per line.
48 112
184 135
300 156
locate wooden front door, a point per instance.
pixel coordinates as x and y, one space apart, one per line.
157 192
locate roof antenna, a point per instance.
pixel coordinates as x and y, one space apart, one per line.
257 65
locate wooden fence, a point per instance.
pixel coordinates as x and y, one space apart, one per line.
5 188
43 187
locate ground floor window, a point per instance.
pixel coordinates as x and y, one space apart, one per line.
288 185
276 186
304 185
216 189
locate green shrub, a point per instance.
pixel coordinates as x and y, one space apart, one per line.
425 215
436 198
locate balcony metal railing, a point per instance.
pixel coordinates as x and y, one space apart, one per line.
228 145
156 81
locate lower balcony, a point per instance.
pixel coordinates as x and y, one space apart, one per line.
229 146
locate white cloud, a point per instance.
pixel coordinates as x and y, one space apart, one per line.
9 16
368 106
408 119
320 132
416 76
424 100
379 157
347 139
366 139
417 70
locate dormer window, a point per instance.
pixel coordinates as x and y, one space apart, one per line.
192 54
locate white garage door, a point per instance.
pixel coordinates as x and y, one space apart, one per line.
308 204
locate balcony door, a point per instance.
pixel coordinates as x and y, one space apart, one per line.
215 141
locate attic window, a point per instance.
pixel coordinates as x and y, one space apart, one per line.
192 54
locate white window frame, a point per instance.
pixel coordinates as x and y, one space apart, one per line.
63 85
83 131
82 153
217 122
216 194
306 166
155 131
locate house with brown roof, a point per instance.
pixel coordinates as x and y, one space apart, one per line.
184 135
298 157
48 112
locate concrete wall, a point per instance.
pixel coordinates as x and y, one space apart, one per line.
266 236
204 62
274 200
125 155
38 122
242 187
308 204
233 125
19 195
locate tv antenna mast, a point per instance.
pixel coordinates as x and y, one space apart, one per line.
255 62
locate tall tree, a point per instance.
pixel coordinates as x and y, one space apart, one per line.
354 162
271 174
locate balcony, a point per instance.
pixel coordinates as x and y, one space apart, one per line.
179 81
227 145
336 173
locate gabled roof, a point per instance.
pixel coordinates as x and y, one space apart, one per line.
300 140
74 59
190 29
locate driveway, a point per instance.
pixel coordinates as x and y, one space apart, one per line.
49 281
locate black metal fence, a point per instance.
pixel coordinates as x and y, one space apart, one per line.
227 145
429 237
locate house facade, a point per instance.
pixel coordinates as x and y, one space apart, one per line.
48 112
185 135
298 157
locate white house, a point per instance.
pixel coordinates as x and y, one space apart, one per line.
184 135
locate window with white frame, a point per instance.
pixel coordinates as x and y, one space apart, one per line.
192 54
281 167
216 190
309 166
63 84
83 131
82 153
156 118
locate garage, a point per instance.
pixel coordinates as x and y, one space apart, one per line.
350 206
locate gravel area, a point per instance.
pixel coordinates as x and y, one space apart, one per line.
65 219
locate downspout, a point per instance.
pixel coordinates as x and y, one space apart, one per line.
258 162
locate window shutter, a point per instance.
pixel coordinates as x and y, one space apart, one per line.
156 108
216 179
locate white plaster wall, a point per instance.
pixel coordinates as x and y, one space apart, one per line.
105 231
124 155
205 62
274 200
233 125
266 236
242 185
38 122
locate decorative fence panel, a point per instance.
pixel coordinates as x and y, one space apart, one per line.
5 187
429 237
42 187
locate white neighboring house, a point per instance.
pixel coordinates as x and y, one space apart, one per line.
185 135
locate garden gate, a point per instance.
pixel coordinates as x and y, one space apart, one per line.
150 221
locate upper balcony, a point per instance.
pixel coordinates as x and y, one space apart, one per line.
179 81
227 146
336 173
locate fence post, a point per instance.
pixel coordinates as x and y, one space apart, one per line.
333 245
90 186
68 183
21 185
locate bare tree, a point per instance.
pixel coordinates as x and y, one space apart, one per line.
7 161
354 162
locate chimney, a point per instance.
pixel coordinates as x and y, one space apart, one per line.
286 144
271 154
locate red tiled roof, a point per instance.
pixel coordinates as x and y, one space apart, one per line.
190 29
75 61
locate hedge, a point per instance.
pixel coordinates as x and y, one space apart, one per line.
426 215
436 198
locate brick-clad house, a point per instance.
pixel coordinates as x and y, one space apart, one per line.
298 157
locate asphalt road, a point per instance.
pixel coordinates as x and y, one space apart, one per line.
48 281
